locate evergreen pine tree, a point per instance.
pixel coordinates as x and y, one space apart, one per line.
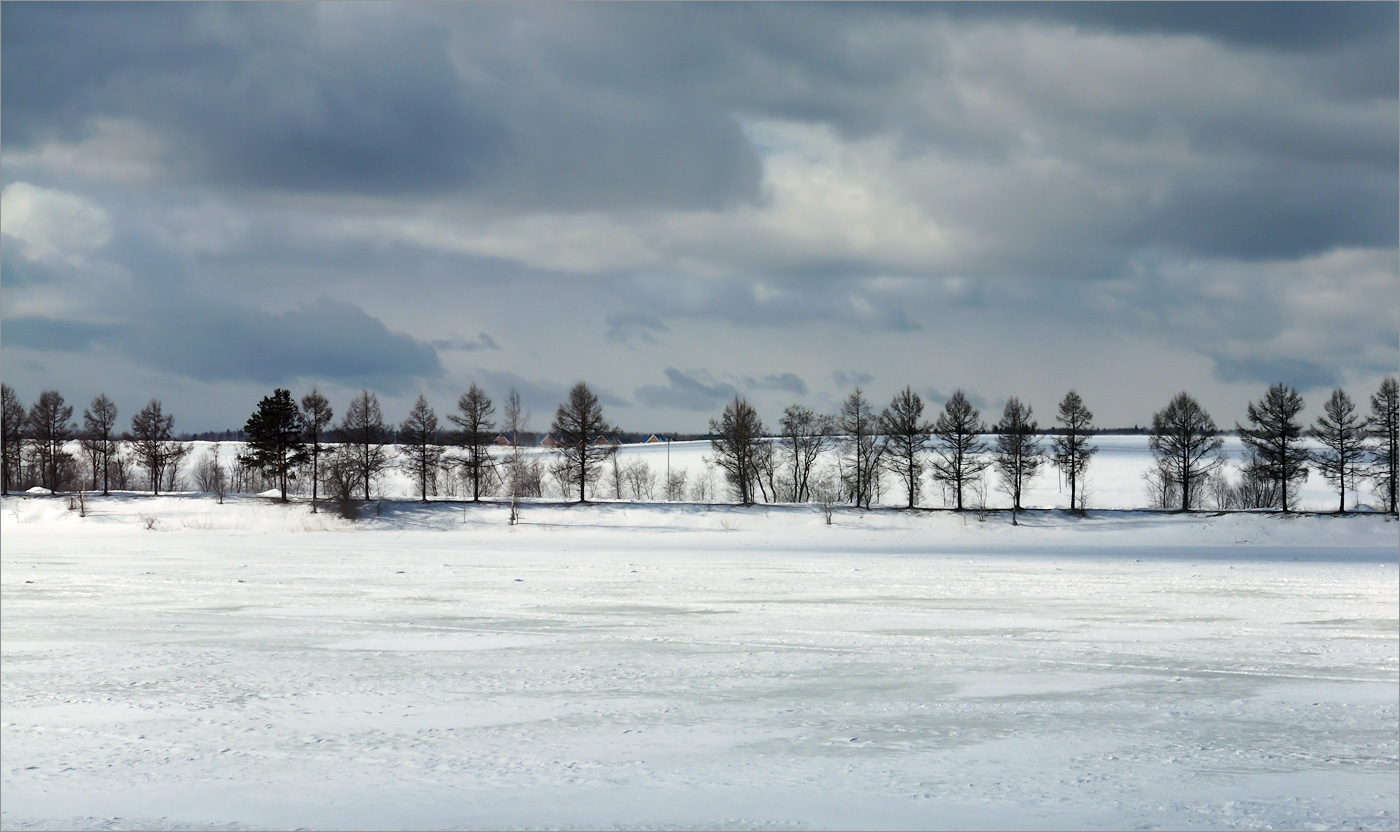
275 444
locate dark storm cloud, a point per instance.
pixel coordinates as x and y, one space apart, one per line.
327 340
285 98
686 391
765 175
624 106
1304 375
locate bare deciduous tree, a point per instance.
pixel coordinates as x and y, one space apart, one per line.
51 427
12 428
515 417
210 476
805 435
737 436
154 445
863 448
1071 450
419 434
640 480
100 437
1384 426
1018 457
906 435
676 484
476 435
1342 432
363 436
578 422
958 447
1274 441
317 414
1186 444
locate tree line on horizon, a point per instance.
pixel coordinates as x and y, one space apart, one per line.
288 441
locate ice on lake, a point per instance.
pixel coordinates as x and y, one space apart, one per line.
251 665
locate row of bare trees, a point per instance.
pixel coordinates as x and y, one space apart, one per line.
33 445
1185 442
897 441
1187 447
287 439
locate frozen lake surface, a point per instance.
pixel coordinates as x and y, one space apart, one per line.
251 665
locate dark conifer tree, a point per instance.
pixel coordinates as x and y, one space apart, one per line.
275 442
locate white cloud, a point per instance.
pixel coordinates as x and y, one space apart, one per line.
52 225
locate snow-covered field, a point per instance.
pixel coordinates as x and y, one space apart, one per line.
627 666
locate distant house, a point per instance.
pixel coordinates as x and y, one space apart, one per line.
506 438
602 440
549 440
656 437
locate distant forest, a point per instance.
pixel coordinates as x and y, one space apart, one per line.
857 456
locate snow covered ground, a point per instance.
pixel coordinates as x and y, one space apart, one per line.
252 665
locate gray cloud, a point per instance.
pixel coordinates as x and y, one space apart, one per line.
41 333
783 382
783 301
338 99
481 342
326 339
692 390
470 100
624 326
1305 375
541 398
914 190
851 378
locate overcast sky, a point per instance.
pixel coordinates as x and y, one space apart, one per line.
678 203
